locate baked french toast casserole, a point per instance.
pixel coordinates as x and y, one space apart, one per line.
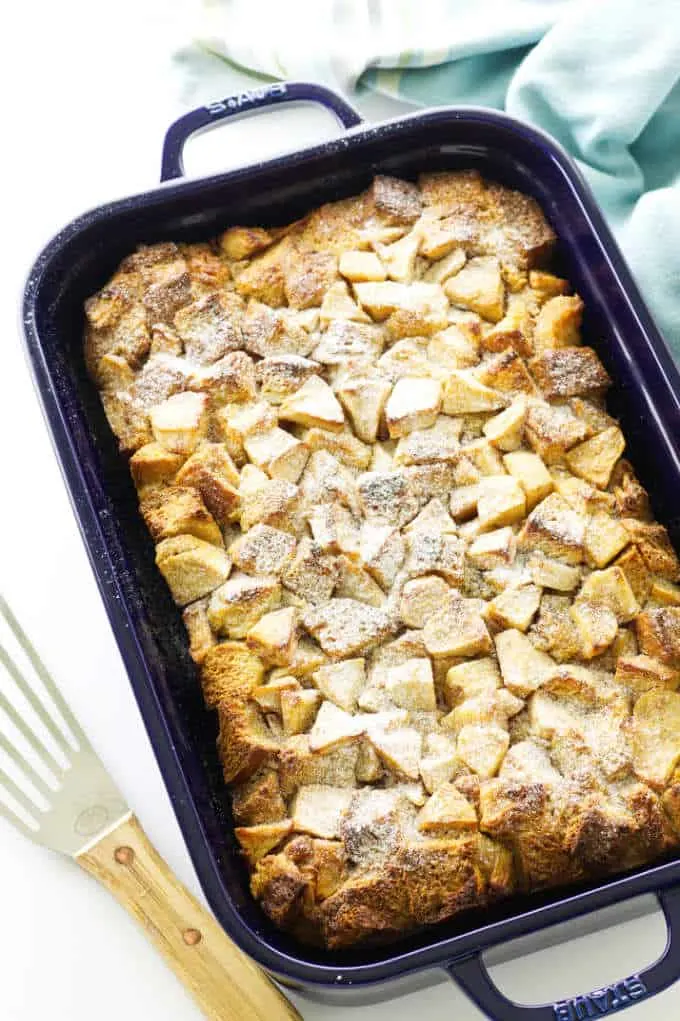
423 586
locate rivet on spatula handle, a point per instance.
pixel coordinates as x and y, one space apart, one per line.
226 984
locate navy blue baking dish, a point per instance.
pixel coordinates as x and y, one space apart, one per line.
147 625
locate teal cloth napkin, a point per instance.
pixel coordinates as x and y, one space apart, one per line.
601 76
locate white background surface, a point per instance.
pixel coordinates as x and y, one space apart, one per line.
87 90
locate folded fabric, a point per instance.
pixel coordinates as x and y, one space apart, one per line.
601 76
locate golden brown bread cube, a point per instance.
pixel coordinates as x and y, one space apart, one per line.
258 840
201 637
655 547
558 323
153 464
555 529
569 372
212 472
178 510
210 327
258 800
658 633
191 567
239 603
239 243
308 275
395 201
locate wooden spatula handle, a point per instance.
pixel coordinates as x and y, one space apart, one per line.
226 984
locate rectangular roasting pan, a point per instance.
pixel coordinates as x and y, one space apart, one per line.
147 625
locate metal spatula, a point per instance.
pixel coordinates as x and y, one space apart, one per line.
60 795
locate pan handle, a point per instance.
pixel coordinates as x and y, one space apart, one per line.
205 117
471 974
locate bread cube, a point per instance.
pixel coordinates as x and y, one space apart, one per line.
239 243
381 299
308 275
555 529
298 710
506 429
421 598
343 445
643 673
212 472
153 464
546 285
338 304
596 625
501 501
210 327
553 430
411 685
344 627
319 809
452 348
595 459
433 518
569 372
655 547
333 726
281 375
457 630
493 549
263 550
274 636
345 341
465 395
514 608
191 567
278 453
342 683
664 592
230 674
446 265
553 574
408 357
471 679
440 238
334 529
413 404
201 638
658 633
399 750
180 422
257 841
440 442
313 404
604 538
479 287
610 588
356 583
482 748
446 809
312 573
240 602
524 667
655 736
273 502
399 257
395 201
506 372
531 473
438 769
482 456
178 510
558 323
268 696
382 552
387 497
369 768
363 398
